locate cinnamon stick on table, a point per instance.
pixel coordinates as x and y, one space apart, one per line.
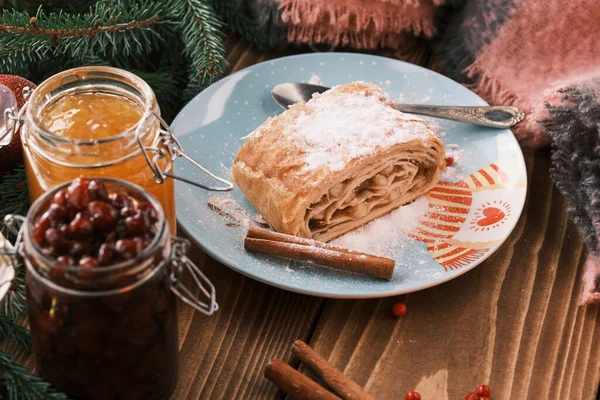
279 244
298 386
344 386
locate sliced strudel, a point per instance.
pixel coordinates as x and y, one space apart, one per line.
344 158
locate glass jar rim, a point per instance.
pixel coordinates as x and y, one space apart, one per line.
145 90
34 211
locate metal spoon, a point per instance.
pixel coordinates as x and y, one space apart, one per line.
286 94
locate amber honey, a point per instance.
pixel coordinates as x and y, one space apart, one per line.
92 133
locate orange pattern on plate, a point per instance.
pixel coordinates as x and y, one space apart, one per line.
449 207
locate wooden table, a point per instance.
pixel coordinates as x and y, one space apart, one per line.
513 322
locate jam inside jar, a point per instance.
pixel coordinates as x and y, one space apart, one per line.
102 328
84 122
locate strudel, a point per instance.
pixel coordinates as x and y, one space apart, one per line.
344 158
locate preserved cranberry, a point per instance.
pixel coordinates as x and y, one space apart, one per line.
56 239
64 229
65 260
98 190
87 264
39 230
120 201
56 213
78 193
137 224
78 249
60 198
50 251
81 225
102 215
149 211
127 248
106 253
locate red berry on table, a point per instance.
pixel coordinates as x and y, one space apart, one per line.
483 390
484 398
412 395
449 160
471 396
399 309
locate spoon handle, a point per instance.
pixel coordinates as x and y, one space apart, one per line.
492 116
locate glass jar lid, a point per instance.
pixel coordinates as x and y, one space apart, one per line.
7 100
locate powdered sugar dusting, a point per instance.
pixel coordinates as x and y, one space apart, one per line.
385 235
315 80
228 208
335 128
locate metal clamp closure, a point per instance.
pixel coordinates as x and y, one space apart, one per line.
173 149
180 261
13 119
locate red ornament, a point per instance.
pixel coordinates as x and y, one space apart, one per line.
449 160
471 396
399 309
484 390
412 395
13 153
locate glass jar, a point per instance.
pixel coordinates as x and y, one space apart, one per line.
51 159
112 335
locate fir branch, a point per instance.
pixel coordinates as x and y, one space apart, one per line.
238 21
203 40
106 30
22 385
11 330
14 198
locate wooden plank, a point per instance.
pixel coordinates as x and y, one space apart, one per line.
513 322
223 356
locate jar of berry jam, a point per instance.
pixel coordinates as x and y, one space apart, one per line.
103 273
100 122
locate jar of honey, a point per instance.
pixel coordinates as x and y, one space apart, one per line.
101 122
103 275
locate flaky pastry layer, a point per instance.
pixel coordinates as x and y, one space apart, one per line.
317 179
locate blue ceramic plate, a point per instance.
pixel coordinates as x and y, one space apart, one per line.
435 239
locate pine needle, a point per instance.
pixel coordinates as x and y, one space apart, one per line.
20 384
203 39
119 29
15 332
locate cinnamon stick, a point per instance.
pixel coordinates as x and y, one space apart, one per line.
259 233
296 385
344 386
278 244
